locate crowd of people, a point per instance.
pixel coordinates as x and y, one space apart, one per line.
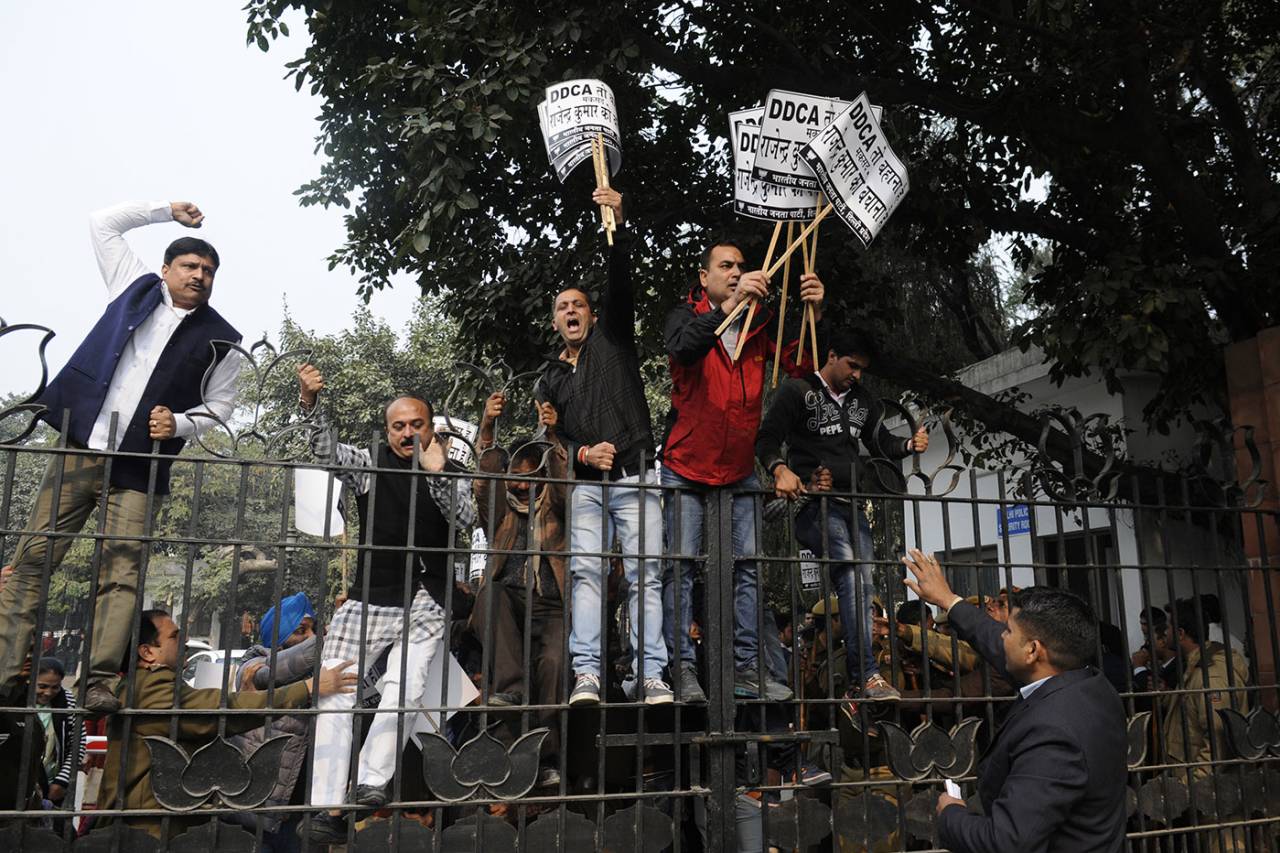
595 533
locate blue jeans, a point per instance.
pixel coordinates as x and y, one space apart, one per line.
850 579
683 514
597 512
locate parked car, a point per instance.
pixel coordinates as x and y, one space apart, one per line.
202 667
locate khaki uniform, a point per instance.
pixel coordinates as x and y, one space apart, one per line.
155 691
940 653
1195 746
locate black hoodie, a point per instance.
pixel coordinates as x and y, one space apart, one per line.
818 430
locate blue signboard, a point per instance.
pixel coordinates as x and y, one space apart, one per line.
1019 518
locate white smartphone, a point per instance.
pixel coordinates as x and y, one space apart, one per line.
953 790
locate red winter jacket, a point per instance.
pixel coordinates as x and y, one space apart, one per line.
716 403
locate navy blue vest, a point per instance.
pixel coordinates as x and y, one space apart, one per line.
81 386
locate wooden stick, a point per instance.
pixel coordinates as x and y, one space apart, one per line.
804 325
804 235
813 335
602 181
811 263
751 312
737 309
782 309
612 224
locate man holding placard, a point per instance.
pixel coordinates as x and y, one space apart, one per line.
595 385
821 419
716 402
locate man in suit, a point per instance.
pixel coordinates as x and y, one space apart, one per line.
1054 776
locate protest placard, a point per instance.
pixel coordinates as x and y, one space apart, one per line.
573 114
857 170
790 120
758 199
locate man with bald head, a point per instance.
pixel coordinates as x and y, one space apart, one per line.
595 385
408 513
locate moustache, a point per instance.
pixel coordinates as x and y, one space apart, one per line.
406 442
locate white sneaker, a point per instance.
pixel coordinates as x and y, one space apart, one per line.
586 690
657 692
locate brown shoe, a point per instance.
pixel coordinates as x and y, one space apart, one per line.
878 690
99 701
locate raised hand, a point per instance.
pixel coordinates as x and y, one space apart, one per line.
930 583
609 197
493 407
920 441
310 384
186 213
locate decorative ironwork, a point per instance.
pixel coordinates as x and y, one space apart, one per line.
545 834
379 836
1260 792
1163 799
1216 467
1083 433
799 823
865 819
115 837
479 831
1217 796
29 839
922 813
653 828
28 404
482 763
1253 736
184 783
929 749
272 443
1137 730
214 837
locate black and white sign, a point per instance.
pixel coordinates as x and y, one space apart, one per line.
459 451
790 120
756 198
808 569
857 169
574 112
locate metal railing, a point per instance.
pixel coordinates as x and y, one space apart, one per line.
734 772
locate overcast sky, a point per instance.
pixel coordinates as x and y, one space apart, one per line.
159 99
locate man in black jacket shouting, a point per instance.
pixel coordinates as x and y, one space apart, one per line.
595 386
821 419
1053 779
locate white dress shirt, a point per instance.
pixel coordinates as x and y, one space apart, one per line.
1027 689
121 267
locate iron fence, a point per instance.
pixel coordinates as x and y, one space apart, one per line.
738 771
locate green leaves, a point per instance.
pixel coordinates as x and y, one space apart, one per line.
1019 132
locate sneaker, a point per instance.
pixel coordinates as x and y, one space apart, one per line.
812 775
656 691
745 684
373 796
586 690
99 701
878 690
548 777
324 828
776 691
504 700
690 690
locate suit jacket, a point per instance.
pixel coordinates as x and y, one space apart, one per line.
1054 776
155 691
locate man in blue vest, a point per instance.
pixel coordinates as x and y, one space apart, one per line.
158 355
